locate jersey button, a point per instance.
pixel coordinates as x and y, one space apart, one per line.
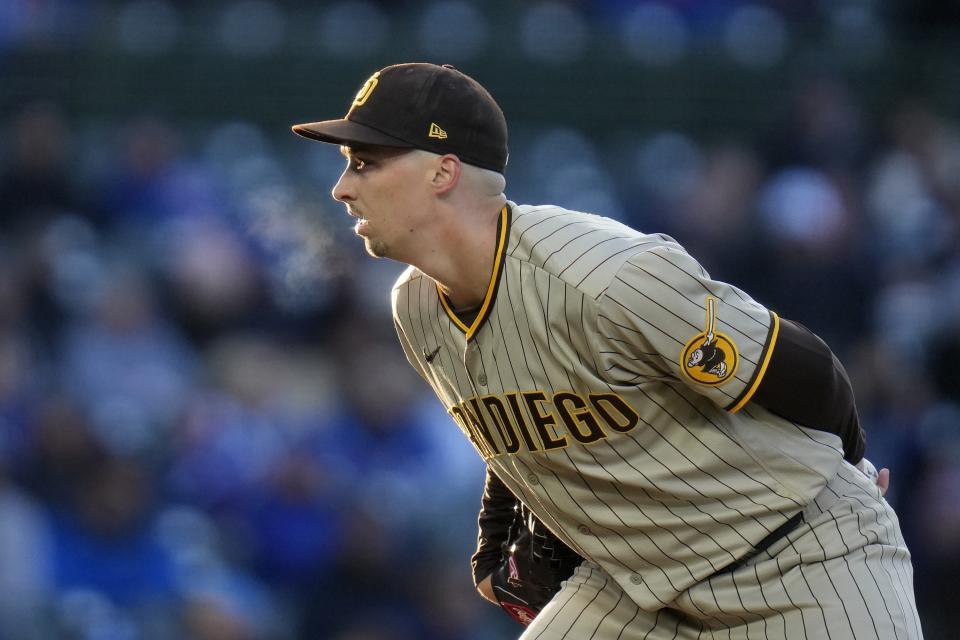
482 379
584 529
635 579
533 479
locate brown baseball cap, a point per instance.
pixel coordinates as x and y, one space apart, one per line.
425 106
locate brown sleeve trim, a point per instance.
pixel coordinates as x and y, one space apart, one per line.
805 383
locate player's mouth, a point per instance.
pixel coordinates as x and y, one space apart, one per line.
362 223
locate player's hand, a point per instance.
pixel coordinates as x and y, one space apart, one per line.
881 478
533 566
520 585
486 589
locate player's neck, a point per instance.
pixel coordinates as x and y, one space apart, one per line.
463 260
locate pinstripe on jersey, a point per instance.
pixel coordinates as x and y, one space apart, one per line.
844 574
571 383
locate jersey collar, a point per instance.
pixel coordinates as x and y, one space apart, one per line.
503 233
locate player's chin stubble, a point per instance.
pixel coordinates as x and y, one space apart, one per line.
376 248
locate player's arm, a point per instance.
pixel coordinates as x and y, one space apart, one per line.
399 305
409 352
805 383
497 515
519 564
663 315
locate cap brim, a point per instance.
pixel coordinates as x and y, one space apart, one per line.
347 132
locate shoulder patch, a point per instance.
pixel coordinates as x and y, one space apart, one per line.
709 357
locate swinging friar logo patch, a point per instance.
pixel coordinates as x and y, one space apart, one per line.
709 357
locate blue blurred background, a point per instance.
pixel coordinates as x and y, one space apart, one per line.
207 429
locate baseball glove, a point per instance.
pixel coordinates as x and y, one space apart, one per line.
534 563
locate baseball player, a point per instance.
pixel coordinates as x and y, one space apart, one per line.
691 445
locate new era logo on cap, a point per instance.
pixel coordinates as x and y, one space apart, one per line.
397 104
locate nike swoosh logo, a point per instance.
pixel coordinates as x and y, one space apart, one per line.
430 356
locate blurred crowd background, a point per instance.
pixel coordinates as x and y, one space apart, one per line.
207 429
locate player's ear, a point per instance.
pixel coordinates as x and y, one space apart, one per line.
446 173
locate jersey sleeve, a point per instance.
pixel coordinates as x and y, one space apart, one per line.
663 316
409 349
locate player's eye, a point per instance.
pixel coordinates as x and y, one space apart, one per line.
357 164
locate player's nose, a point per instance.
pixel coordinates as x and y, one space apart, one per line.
343 191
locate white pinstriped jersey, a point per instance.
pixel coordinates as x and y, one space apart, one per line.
606 380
